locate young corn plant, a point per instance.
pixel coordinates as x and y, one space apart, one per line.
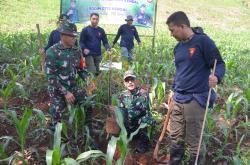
54 156
235 106
158 93
39 126
235 103
238 157
7 91
76 118
74 130
21 126
5 142
122 142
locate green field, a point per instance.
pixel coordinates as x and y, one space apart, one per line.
23 101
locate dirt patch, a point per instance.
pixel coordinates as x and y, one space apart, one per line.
36 149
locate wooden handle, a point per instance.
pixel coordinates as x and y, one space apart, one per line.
166 121
39 36
109 79
40 45
155 154
214 67
205 116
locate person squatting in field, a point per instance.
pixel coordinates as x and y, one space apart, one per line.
134 105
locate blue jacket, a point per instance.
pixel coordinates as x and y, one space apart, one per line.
91 38
54 38
128 33
194 60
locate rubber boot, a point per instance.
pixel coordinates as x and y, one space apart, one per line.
201 160
89 122
144 142
176 154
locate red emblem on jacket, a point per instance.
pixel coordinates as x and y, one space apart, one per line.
82 64
191 51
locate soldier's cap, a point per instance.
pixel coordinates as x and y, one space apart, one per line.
129 18
129 73
68 28
63 17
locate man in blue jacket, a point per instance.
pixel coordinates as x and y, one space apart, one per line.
90 42
54 36
194 57
128 33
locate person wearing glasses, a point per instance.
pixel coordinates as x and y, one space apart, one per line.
134 105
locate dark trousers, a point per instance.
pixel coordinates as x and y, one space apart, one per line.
93 63
185 128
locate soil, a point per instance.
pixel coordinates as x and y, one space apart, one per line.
36 150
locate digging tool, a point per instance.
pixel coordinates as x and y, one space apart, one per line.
109 78
205 116
40 44
111 125
166 121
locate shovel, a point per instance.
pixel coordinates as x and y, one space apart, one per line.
166 122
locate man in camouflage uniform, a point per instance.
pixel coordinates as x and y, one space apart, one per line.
134 104
62 63
142 18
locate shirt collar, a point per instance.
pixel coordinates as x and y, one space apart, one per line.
60 46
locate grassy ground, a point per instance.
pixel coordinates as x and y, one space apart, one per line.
227 15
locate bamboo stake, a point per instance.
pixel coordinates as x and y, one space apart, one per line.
40 45
205 116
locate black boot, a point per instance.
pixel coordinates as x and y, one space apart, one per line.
176 154
144 142
89 123
201 160
88 119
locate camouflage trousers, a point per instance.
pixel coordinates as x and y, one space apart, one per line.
58 103
131 125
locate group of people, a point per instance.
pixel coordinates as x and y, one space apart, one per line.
194 57
93 36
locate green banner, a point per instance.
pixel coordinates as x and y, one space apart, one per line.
111 11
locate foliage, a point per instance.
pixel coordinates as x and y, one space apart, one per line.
228 126
22 126
122 142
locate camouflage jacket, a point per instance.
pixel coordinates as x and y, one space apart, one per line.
143 19
61 67
136 105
